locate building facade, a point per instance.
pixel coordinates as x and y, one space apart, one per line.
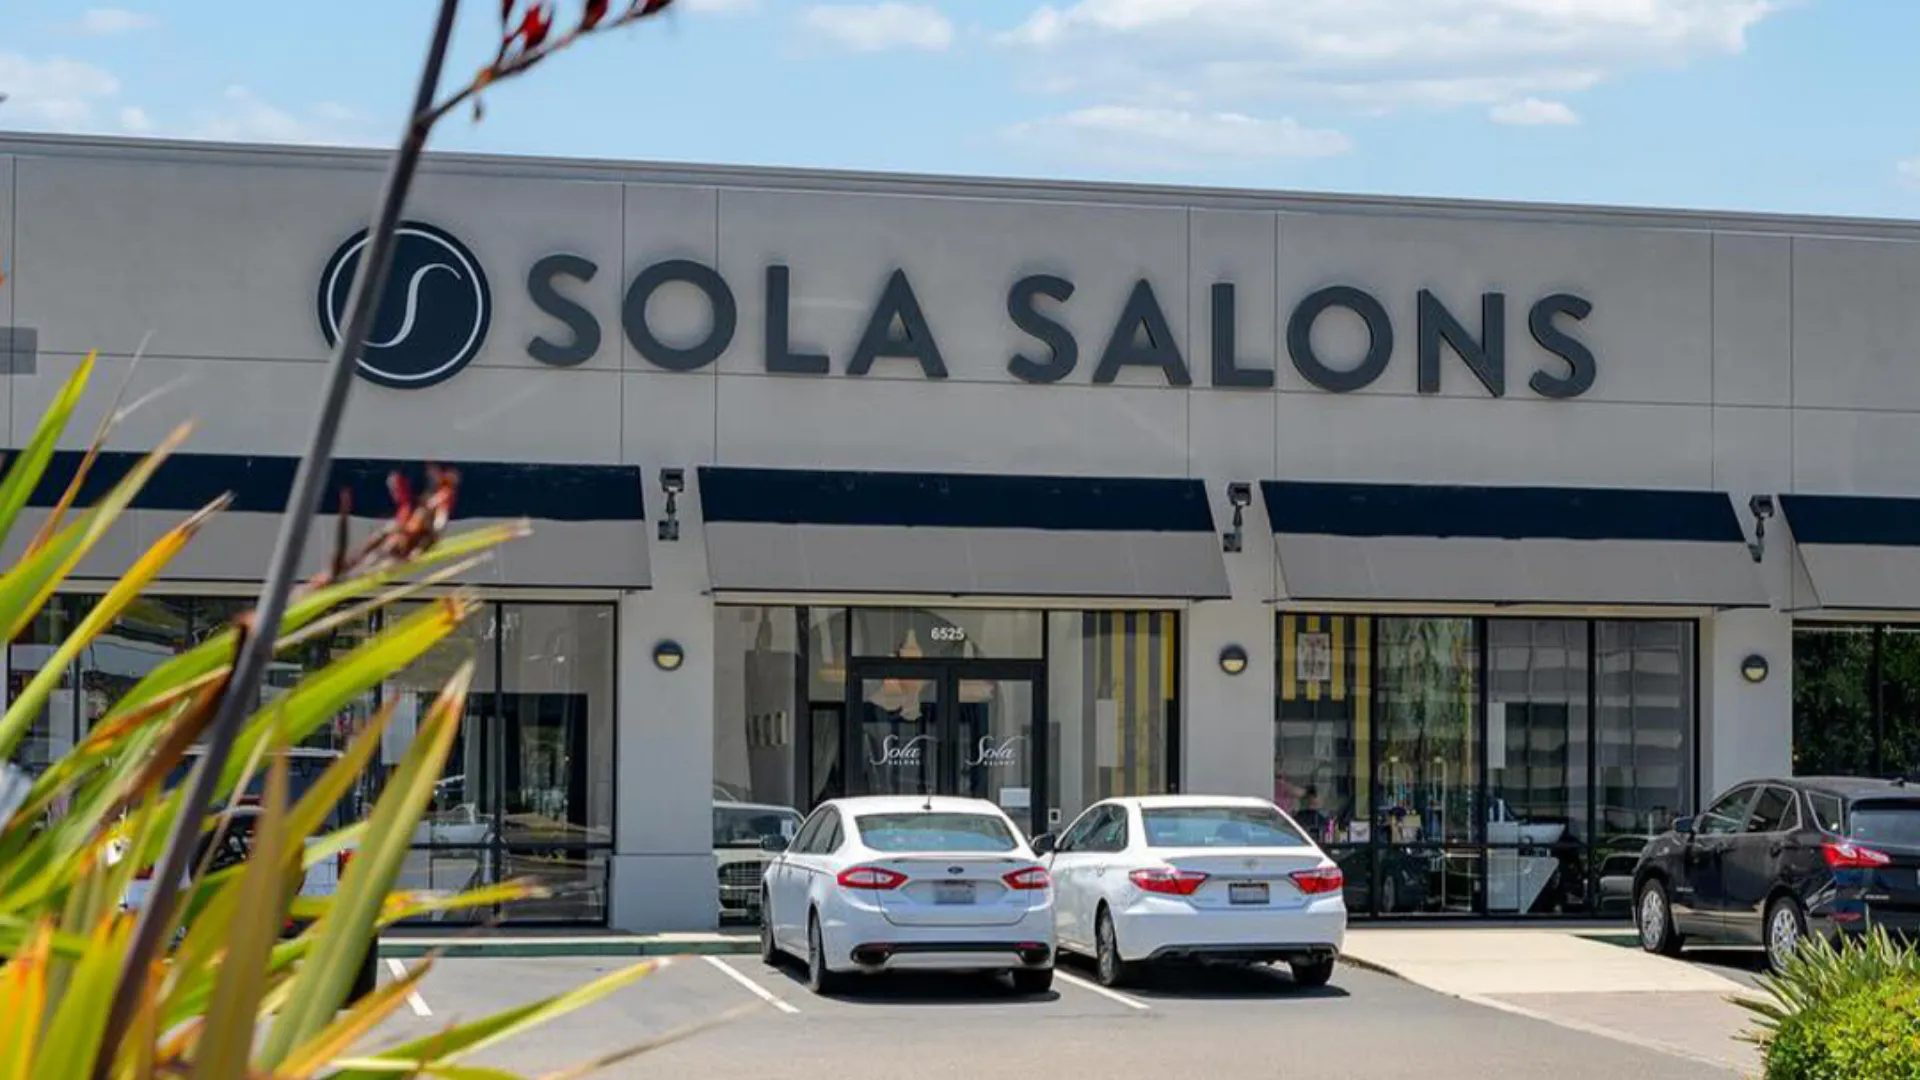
1479 536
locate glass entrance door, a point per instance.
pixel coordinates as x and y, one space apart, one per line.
967 728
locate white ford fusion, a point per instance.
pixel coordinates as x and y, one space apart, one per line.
888 883
1194 877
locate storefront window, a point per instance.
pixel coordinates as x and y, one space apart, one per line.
1644 742
527 790
1496 766
55 730
1113 699
1537 725
1856 700
1426 692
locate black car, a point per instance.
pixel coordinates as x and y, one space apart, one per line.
1773 860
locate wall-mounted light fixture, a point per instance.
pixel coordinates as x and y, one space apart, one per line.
668 656
673 482
1761 507
1754 668
1240 496
1233 659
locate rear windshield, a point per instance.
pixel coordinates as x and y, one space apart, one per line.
935 832
746 827
1890 822
1220 826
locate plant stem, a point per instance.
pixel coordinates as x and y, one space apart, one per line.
256 647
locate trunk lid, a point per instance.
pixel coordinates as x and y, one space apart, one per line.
956 890
1249 878
1890 827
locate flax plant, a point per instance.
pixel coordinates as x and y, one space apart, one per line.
203 979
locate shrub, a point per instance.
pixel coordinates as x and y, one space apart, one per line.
1842 1012
1870 1034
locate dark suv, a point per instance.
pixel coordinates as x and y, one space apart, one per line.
1772 860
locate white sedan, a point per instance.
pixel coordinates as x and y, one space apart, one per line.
1194 877
890 883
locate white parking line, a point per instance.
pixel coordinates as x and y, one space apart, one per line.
1111 995
414 999
754 988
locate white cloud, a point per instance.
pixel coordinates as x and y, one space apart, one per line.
135 121
102 21
1909 171
878 27
241 116
55 94
1133 136
1375 55
1533 112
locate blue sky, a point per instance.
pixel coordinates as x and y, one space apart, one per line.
1780 105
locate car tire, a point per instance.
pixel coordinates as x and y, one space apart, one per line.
1785 928
1108 966
1653 918
1312 974
367 977
820 979
769 950
1032 981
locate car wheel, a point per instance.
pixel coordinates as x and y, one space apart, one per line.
365 978
1108 966
1786 927
1032 980
1653 916
769 951
1313 974
820 979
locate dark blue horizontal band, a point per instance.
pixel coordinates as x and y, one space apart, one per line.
954 500
1853 519
1499 513
261 484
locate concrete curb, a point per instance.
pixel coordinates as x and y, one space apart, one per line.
520 948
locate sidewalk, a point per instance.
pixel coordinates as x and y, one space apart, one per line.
408 942
1575 979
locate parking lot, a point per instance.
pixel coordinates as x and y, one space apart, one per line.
1213 1022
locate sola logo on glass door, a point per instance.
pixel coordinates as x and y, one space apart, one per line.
1002 755
897 754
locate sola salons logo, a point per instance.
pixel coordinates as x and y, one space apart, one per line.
433 314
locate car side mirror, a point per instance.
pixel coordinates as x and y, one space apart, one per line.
774 844
1683 826
1044 844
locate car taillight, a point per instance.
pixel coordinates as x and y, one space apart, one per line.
1033 877
1166 880
340 862
1314 882
871 877
1846 855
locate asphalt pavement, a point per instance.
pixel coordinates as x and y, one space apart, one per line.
1224 1022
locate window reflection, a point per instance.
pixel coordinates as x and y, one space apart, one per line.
1440 794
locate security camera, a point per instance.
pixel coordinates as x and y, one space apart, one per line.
1240 495
1761 506
673 481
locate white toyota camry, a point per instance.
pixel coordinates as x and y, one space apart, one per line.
892 882
1195 877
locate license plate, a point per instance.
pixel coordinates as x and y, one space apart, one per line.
1247 892
953 892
